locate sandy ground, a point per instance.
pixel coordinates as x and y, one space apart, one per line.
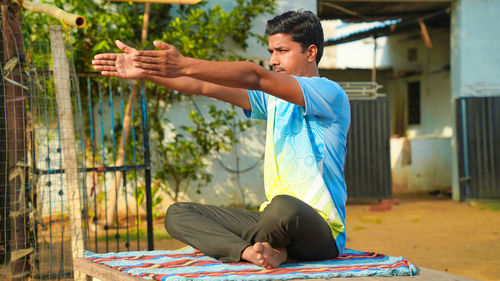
460 238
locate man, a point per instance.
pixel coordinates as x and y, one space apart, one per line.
307 122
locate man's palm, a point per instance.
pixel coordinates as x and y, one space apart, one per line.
125 67
118 65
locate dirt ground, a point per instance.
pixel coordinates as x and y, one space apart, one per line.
459 238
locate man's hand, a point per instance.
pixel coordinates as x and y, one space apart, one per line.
167 62
118 65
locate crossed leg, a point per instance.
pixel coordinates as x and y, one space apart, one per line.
287 227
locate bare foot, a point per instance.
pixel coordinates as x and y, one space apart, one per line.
197 252
263 254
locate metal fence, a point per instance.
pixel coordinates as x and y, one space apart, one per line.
36 204
118 166
478 135
368 164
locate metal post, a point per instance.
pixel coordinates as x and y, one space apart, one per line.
374 66
147 170
465 187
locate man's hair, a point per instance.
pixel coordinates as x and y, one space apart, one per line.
304 27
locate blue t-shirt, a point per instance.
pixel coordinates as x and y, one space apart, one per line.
306 148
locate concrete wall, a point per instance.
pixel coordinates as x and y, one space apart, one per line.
226 188
475 56
428 144
431 69
420 163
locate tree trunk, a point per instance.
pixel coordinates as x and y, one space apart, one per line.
18 247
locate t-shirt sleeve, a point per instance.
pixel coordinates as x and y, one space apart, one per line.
258 101
323 98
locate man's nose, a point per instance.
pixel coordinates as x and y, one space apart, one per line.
274 60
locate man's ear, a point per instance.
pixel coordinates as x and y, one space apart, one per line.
312 52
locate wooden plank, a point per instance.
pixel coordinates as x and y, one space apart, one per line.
105 273
63 97
101 272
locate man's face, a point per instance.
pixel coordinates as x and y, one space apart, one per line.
287 55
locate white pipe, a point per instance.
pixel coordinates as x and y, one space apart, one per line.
67 18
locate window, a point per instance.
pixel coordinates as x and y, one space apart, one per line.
412 54
414 103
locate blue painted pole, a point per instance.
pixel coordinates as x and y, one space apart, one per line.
112 117
465 146
106 226
124 174
147 171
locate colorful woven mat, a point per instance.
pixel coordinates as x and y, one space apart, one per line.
184 265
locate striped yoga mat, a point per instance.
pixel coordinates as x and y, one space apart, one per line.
184 265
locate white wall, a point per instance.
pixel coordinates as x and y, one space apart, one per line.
430 141
428 167
226 188
474 46
475 56
431 70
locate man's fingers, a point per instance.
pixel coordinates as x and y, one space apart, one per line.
162 45
148 54
106 56
145 59
124 47
146 66
104 68
111 73
103 62
152 72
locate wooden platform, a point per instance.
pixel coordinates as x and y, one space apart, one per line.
105 273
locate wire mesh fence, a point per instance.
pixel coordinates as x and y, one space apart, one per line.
17 198
69 179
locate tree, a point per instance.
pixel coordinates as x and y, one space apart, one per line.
197 31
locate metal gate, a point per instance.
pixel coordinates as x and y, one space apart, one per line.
478 136
368 164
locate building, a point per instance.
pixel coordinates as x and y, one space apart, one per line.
439 68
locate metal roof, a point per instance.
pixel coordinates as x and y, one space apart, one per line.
389 27
378 10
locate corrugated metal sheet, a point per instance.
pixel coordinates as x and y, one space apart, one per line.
368 165
478 134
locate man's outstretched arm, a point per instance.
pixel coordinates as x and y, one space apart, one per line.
121 65
168 62
188 85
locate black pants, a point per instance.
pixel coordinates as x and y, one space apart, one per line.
224 232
